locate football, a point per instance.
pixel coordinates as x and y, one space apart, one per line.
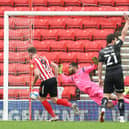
34 95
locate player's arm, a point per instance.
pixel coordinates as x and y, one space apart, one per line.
36 76
90 68
100 64
125 28
55 66
66 78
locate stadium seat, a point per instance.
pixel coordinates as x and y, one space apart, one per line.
67 34
69 92
1 34
100 34
126 81
81 65
20 22
106 2
21 80
67 57
42 45
74 46
21 2
41 23
1 80
48 34
21 34
17 45
1 94
51 56
1 45
5 8
121 2
1 69
56 22
57 46
86 57
72 2
6 2
1 57
55 2
1 23
73 22
89 2
82 34
18 57
17 68
40 2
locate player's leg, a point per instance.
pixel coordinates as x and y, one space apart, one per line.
52 87
43 91
119 88
108 90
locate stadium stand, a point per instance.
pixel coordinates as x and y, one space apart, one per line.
60 39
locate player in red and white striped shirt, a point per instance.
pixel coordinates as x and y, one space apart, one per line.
43 70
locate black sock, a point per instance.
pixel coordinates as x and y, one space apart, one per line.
104 102
121 107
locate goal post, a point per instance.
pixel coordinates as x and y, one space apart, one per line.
7 14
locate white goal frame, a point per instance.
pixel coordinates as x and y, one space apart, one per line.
39 13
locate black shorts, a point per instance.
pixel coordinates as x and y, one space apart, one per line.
48 87
114 81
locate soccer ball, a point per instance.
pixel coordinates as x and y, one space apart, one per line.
34 95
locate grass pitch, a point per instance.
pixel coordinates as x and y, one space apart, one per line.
62 125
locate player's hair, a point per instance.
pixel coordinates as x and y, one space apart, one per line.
32 50
74 64
110 37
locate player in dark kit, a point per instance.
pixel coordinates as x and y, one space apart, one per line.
110 56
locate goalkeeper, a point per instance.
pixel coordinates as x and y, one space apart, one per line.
82 80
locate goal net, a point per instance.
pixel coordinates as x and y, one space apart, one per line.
53 34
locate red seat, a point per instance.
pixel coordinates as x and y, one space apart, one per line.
55 2
66 34
1 23
126 81
1 57
82 34
18 57
41 23
57 45
121 2
1 94
51 56
1 34
19 35
56 22
48 34
72 2
40 2
81 65
67 57
69 91
101 34
21 3
106 2
1 80
6 2
42 45
20 22
89 2
21 9
1 45
86 57
74 46
5 8
18 45
73 22
1 68
21 80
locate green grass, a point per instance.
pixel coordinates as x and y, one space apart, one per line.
61 125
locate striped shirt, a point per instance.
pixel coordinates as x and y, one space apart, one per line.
44 67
